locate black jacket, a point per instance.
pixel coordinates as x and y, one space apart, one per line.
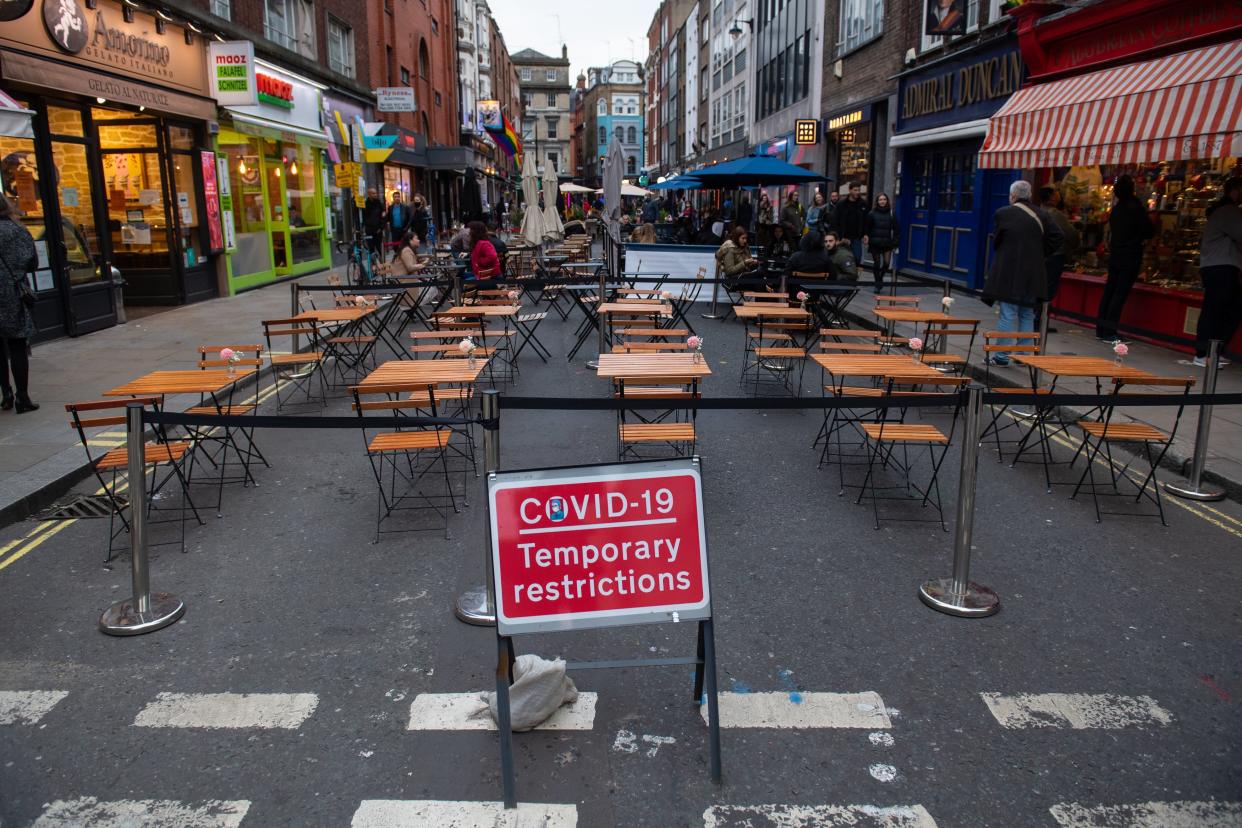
779 248
810 257
745 213
421 222
373 214
1018 274
881 229
851 218
1128 227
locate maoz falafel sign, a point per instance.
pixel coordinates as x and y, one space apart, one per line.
599 546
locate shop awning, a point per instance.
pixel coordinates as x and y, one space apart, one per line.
14 119
1187 105
936 135
275 130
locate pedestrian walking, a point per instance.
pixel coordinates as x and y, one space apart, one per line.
398 216
767 218
1063 256
745 213
17 258
420 216
1129 228
791 215
1220 268
1022 238
815 211
851 220
828 215
651 210
373 220
881 233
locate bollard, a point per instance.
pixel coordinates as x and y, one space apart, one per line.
142 612
294 310
1195 490
457 289
958 595
477 605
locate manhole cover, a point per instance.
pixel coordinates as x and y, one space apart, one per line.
86 506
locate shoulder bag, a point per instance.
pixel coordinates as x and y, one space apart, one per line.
24 293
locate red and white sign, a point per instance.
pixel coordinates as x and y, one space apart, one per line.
599 546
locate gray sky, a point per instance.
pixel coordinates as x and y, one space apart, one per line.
596 32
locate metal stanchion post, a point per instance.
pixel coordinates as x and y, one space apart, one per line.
1195 490
711 313
602 343
477 604
457 289
143 612
294 310
958 595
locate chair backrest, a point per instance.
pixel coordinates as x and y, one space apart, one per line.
755 297
104 413
909 302
850 347
209 356
277 328
861 334
1025 342
393 398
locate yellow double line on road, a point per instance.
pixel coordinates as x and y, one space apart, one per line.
18 548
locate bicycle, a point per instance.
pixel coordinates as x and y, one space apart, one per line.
361 264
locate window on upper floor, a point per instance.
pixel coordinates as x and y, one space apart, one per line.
552 99
527 100
552 124
405 76
439 99
631 165
861 22
631 135
424 59
341 50
550 75
526 74
602 107
960 14
291 23
222 8
554 160
603 136
435 26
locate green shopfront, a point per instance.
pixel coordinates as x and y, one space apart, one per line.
274 187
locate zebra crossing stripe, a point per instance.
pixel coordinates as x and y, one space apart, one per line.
150 813
27 706
1184 814
818 816
467 711
804 711
1077 711
434 813
228 710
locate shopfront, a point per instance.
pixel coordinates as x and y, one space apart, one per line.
1146 106
110 172
852 135
946 202
339 113
275 156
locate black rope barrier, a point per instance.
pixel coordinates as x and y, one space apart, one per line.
291 421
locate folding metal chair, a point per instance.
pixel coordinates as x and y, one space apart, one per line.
937 337
301 366
670 426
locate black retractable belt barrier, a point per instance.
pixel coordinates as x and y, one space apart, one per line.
268 421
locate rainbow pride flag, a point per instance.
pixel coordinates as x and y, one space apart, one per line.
506 137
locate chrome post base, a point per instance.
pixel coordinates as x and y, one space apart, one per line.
710 316
1204 492
123 618
979 601
471 607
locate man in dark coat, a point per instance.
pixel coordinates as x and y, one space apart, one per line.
373 220
850 219
1023 236
745 214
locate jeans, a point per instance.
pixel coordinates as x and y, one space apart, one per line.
856 247
1123 271
1222 307
1013 317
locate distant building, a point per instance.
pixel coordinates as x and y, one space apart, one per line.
612 106
545 86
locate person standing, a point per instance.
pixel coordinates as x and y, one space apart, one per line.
851 220
815 212
791 215
1129 228
651 210
373 220
745 214
17 258
828 215
1063 256
881 232
1018 280
767 218
398 217
1220 268
420 218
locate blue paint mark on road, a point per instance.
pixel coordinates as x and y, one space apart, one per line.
786 677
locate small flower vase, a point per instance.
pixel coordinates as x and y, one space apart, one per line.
470 360
232 370
1117 360
918 357
698 355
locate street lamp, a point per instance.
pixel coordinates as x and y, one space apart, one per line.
736 30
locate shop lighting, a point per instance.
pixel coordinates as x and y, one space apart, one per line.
293 167
159 25
162 14
101 100
189 25
127 12
241 167
219 37
142 108
276 170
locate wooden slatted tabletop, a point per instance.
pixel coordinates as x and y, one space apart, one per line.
338 314
761 309
644 308
874 365
424 372
481 310
906 315
637 366
161 383
1079 366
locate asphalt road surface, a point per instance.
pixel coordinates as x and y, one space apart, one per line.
298 688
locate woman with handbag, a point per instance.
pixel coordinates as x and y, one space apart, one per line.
17 258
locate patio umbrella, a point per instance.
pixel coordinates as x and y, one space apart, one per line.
630 191
552 227
681 182
574 188
614 166
532 220
754 171
471 201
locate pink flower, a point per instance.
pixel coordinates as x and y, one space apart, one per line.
1121 349
360 299
466 345
228 353
513 294
802 297
695 342
916 344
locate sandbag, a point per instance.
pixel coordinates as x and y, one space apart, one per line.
539 688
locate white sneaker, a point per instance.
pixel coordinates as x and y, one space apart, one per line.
1201 362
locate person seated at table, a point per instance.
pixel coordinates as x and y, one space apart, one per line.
812 257
502 249
781 246
460 243
406 261
841 258
484 263
734 255
644 233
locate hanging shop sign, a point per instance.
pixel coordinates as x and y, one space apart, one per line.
233 79
490 116
972 86
98 36
848 118
598 546
395 99
806 132
274 91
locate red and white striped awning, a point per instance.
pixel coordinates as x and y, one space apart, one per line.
14 118
1187 105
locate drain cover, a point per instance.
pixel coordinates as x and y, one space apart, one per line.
86 506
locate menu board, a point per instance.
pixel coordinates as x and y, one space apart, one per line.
212 195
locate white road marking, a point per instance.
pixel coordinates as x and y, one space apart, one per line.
818 816
27 706
432 813
149 813
815 710
1149 815
467 711
1078 711
228 710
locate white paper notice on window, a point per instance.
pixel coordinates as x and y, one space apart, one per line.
44 280
69 196
41 250
135 234
148 196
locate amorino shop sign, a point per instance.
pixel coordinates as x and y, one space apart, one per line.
100 38
969 87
